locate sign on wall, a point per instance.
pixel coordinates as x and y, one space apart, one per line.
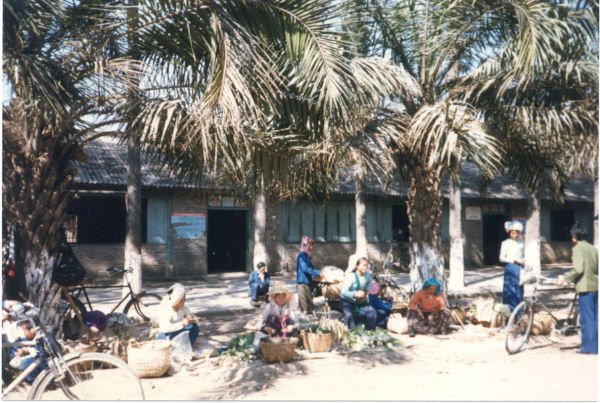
473 213
189 225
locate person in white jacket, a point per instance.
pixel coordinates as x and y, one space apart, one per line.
175 317
512 253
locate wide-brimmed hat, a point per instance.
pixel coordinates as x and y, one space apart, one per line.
279 287
513 225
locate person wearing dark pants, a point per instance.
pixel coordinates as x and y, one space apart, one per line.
258 284
512 253
304 273
585 277
354 297
382 308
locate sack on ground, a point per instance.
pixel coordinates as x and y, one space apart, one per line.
542 324
397 324
332 274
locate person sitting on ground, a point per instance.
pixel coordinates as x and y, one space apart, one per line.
304 276
175 317
281 314
354 298
20 357
259 284
427 313
382 307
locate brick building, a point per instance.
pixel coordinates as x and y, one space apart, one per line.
191 229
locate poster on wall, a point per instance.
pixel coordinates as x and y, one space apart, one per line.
189 225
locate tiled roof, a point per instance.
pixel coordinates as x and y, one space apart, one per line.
107 165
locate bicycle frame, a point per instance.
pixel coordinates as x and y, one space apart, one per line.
83 289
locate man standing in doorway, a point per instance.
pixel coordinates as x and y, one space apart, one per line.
585 277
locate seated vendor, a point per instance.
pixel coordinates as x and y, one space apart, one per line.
175 317
281 313
20 357
354 297
258 284
427 313
382 307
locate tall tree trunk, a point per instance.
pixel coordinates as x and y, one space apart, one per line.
133 202
260 225
596 212
360 208
457 267
133 199
424 208
532 232
36 183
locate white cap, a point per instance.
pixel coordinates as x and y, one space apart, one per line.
176 292
513 225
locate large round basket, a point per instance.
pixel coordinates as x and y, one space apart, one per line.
317 342
278 349
149 358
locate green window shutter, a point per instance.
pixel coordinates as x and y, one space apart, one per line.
157 223
545 225
344 223
320 225
332 222
293 226
372 222
307 218
386 223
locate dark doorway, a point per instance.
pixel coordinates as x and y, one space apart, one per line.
227 240
493 235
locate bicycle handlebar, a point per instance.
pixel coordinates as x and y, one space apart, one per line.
118 270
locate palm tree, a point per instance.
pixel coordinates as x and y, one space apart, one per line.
60 74
441 43
550 123
317 96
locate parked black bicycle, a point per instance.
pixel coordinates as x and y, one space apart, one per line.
143 306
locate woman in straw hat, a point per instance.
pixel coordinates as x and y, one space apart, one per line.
512 253
175 317
280 315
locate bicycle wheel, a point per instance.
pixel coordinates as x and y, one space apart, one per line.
518 327
90 376
144 307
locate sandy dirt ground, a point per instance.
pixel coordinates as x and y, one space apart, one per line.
469 364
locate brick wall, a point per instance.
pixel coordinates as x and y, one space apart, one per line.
96 258
189 255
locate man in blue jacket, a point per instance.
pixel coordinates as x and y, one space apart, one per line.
259 284
304 273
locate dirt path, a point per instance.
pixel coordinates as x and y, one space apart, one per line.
470 364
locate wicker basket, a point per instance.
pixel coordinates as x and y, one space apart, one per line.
278 349
149 358
317 342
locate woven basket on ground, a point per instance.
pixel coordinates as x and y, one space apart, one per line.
278 349
317 342
542 324
149 358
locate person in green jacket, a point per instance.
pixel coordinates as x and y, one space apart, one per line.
585 277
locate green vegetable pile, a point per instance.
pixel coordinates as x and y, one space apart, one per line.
360 339
241 349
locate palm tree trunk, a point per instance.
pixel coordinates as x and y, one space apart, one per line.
424 208
457 267
133 203
133 199
361 212
36 183
260 224
532 232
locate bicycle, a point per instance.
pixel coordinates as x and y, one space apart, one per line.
521 319
76 376
145 304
